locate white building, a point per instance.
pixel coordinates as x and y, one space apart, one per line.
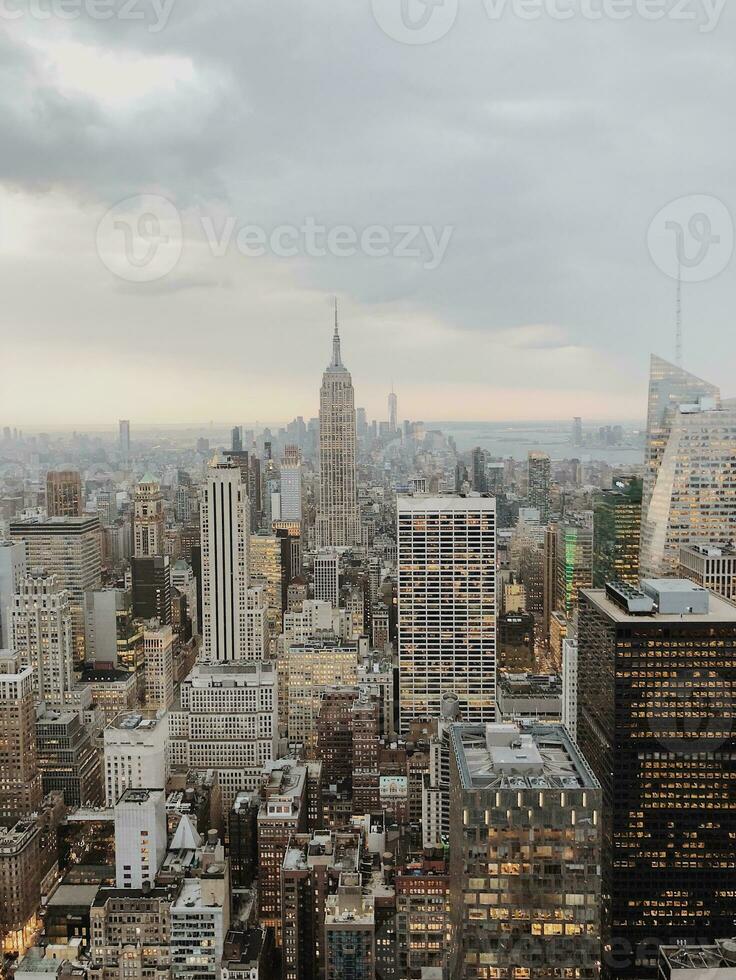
135 753
140 836
315 616
158 649
226 719
436 782
446 605
225 538
184 581
570 686
327 577
41 635
101 610
338 516
12 573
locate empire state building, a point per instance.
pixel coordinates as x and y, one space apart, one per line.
338 518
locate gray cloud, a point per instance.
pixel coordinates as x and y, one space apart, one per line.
548 147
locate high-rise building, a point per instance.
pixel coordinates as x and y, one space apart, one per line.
148 519
422 916
393 412
291 484
151 588
350 931
226 719
574 562
135 746
270 556
20 779
713 568
225 529
140 836
64 494
282 814
114 636
124 438
236 439
616 533
158 650
41 636
314 666
68 548
327 577
525 844
688 493
12 572
338 516
20 885
68 759
656 713
549 578
480 481
539 471
446 605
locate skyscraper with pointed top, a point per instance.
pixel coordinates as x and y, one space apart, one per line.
338 518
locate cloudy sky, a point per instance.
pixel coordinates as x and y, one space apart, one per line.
488 195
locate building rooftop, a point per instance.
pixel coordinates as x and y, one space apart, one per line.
527 755
137 721
15 837
699 961
679 595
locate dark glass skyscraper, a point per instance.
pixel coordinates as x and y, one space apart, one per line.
616 533
657 677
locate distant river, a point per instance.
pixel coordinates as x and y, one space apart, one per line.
516 439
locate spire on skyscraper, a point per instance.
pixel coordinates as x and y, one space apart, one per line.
336 360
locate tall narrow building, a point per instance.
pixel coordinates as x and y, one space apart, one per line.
64 494
393 412
225 535
446 605
617 533
20 782
148 524
539 469
689 494
338 518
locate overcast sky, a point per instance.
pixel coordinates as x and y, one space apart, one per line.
544 148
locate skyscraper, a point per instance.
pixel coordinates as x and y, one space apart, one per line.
41 636
236 439
539 481
574 553
20 783
225 534
446 605
12 573
338 517
617 533
64 494
393 412
69 548
327 577
525 844
148 522
124 437
291 485
656 678
689 494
